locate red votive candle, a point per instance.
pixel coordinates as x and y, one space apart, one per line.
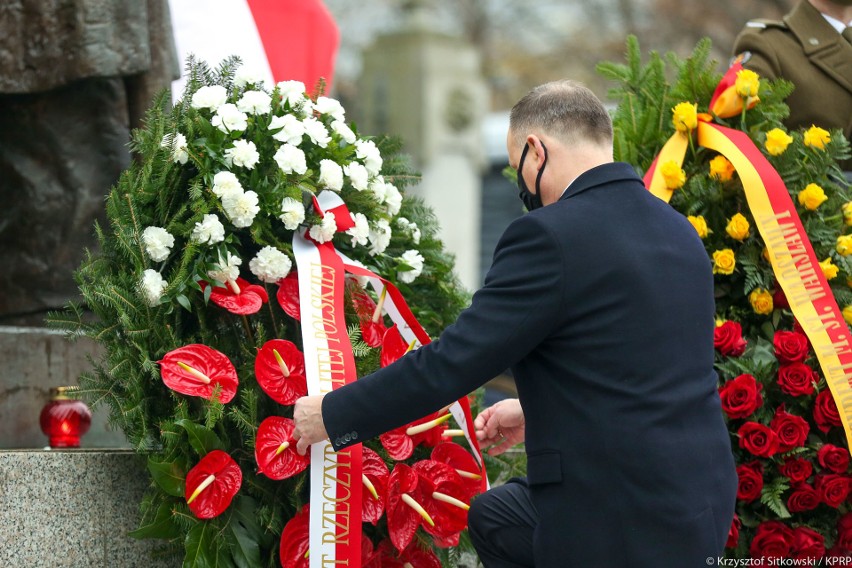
65 418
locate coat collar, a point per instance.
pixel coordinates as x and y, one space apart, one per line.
601 175
821 43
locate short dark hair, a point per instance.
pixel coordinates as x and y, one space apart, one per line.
566 110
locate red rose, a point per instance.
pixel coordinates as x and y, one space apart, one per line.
797 379
741 396
833 458
833 488
750 481
796 469
792 430
825 411
728 339
779 299
844 532
807 543
790 346
838 551
803 498
772 539
734 533
758 439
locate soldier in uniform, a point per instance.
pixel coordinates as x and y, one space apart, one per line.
812 48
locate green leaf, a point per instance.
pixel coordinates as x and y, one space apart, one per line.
168 476
184 301
203 440
161 526
247 534
199 547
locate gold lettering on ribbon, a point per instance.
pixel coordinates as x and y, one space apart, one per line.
331 363
336 509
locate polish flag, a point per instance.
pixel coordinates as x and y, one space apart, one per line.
279 40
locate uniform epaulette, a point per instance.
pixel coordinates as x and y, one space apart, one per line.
762 24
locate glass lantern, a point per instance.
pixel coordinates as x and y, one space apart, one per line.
65 418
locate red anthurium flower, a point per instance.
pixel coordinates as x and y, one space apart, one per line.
196 370
375 476
400 442
211 484
411 557
239 297
288 296
370 316
275 450
295 540
463 462
405 511
445 502
393 346
280 371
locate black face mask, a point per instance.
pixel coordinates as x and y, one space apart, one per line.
531 200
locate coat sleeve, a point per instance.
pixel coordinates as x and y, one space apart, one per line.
509 316
763 55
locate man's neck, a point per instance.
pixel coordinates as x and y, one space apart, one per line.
836 11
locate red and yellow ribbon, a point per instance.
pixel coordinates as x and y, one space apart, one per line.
794 263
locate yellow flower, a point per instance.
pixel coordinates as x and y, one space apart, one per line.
777 141
724 261
673 174
721 169
844 245
812 196
761 301
846 208
847 314
700 225
738 227
685 116
816 137
747 84
829 269
766 255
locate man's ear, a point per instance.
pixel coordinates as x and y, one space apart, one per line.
536 151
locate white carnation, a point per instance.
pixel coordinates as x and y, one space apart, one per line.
366 150
229 118
292 213
360 233
413 259
291 127
209 231
292 91
380 236
316 131
226 182
152 287
377 187
211 97
325 230
409 227
245 76
358 175
244 154
331 107
227 269
291 159
331 175
270 264
241 208
344 131
255 102
177 143
158 243
393 199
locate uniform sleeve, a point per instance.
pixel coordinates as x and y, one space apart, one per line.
763 56
509 316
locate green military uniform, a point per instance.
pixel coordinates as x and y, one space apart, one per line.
807 51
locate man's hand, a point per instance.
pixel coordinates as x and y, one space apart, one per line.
307 414
501 426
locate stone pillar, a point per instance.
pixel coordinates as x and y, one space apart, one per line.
426 87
